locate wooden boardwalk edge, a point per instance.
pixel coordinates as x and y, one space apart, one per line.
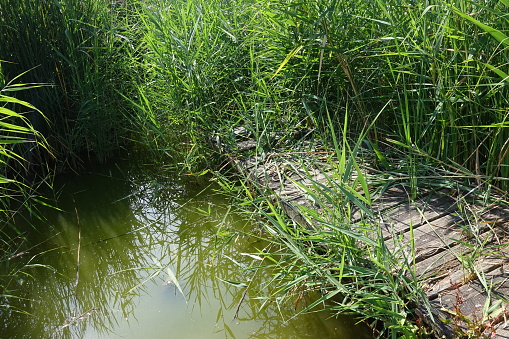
445 256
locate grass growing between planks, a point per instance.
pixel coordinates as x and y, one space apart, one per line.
351 264
336 244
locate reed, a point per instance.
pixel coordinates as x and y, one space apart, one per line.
437 70
81 49
202 68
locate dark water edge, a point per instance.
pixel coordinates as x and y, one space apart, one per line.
134 253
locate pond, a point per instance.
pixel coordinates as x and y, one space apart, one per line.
131 254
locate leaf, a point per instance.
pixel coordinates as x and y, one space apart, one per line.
5 180
227 328
499 72
362 179
13 141
172 278
324 298
356 199
199 174
45 204
6 111
4 98
498 35
288 57
252 256
233 283
352 234
241 265
14 128
493 310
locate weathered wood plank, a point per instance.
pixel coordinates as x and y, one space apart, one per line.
417 213
502 330
464 306
429 239
487 261
449 266
384 201
433 237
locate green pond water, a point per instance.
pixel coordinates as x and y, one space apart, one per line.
129 256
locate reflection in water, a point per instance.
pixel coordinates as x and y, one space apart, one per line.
116 247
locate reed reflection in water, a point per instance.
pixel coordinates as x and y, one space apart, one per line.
116 245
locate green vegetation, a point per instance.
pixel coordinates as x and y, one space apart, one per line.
16 192
82 49
412 87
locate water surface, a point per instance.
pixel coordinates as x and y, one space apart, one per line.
133 254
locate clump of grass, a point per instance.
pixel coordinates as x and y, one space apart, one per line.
214 62
349 263
179 72
270 67
438 67
84 50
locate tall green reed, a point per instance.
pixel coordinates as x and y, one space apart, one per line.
215 62
201 68
440 67
81 48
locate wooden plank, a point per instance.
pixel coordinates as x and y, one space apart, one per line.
444 265
502 330
438 267
429 239
488 261
295 196
463 306
383 201
415 214
434 237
